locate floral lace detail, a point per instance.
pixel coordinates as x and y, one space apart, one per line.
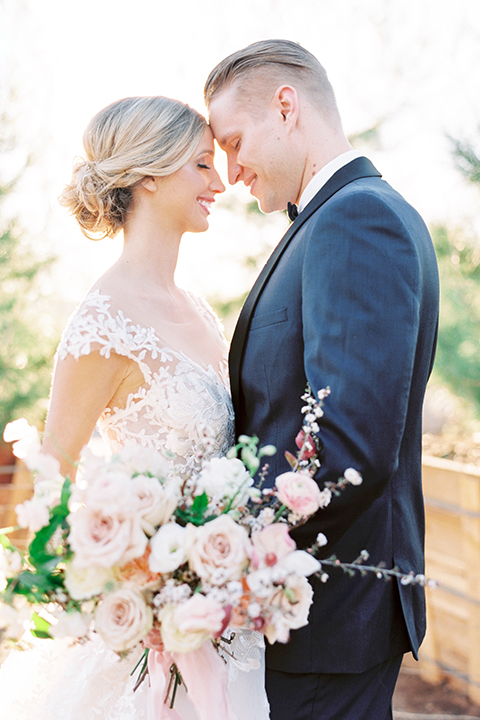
180 403
179 406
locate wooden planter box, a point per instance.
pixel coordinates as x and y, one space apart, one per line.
452 644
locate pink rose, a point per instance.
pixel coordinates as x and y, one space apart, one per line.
271 544
186 626
105 540
300 493
218 551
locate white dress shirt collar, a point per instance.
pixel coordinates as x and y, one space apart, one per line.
325 174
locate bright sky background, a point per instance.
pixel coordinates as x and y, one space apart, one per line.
414 64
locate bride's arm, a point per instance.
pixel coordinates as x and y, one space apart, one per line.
81 390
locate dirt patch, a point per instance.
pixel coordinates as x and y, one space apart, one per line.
414 695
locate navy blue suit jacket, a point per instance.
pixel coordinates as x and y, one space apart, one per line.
349 300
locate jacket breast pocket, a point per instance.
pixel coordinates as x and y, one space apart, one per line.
270 318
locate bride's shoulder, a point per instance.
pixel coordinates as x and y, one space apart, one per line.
97 323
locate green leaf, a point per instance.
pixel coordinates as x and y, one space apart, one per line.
41 626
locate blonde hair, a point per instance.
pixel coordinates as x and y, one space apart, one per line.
262 66
125 142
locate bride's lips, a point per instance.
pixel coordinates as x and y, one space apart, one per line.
206 203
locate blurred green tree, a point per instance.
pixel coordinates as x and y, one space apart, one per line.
27 337
458 252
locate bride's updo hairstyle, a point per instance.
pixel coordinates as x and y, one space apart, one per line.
125 142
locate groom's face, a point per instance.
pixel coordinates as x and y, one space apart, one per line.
258 148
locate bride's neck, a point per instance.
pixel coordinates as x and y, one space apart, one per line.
150 253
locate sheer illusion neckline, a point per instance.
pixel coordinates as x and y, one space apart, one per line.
162 346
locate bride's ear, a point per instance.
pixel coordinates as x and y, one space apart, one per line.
150 184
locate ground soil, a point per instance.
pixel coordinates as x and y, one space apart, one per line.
413 696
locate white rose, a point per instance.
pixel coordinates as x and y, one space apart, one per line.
186 626
168 547
83 583
225 478
154 502
33 514
71 625
218 551
123 619
105 540
288 608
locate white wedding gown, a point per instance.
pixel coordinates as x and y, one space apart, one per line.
171 399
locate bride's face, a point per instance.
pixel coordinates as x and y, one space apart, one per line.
187 195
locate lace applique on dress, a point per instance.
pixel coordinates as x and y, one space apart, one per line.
179 402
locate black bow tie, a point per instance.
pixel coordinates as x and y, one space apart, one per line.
292 211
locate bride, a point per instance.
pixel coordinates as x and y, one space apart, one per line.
144 361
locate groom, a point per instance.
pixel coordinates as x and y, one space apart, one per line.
348 300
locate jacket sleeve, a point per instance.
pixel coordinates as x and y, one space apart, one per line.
361 308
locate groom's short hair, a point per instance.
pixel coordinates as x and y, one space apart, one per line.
260 65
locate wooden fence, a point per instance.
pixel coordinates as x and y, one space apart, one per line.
452 500
452 644
11 493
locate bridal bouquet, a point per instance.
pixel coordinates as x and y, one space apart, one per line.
140 554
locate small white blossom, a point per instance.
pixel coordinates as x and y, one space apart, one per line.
254 610
352 476
324 577
321 539
268 450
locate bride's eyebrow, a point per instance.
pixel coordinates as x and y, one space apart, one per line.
207 151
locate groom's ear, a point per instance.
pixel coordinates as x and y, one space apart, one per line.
286 102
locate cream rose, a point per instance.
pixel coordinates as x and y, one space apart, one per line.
168 547
300 493
186 626
218 551
123 618
83 583
106 540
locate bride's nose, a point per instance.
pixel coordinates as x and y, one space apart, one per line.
216 184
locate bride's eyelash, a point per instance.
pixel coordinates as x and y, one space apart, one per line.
203 166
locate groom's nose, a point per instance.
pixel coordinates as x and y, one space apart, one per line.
234 171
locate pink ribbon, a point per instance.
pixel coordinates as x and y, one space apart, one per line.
205 676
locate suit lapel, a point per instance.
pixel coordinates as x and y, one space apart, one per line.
358 168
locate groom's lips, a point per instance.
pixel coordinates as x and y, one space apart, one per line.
251 183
